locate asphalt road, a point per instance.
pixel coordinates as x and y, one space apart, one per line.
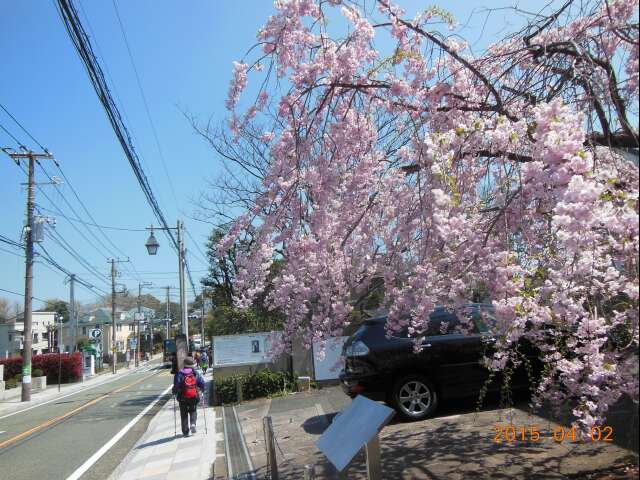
54 440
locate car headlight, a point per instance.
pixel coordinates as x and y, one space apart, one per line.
356 349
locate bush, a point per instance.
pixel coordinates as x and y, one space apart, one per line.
11 383
37 372
48 365
261 384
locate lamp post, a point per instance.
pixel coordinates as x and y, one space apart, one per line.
152 248
137 323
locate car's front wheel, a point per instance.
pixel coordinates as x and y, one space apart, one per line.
414 397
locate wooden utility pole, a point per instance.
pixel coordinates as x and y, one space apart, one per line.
31 158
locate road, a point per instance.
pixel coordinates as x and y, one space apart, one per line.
54 440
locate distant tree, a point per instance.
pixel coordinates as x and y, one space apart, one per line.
5 310
225 318
56 305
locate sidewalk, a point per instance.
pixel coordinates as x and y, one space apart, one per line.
8 406
456 444
161 455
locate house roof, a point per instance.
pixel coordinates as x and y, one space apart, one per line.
103 315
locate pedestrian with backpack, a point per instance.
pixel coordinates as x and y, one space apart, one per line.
204 363
187 387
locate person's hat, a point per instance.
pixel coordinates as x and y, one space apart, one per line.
189 362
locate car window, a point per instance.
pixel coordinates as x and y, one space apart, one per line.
442 324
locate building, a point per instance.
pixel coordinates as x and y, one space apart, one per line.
100 319
43 329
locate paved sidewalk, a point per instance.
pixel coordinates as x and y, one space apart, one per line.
11 405
161 455
455 444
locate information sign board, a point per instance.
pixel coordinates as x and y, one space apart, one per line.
352 429
232 350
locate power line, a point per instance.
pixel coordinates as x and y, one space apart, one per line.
203 258
11 253
57 238
65 199
23 129
22 294
11 135
144 101
83 46
106 227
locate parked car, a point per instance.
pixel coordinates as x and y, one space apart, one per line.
449 363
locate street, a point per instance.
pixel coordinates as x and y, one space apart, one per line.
61 439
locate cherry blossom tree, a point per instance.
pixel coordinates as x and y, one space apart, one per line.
392 151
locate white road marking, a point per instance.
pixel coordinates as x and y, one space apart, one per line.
72 393
105 448
2 431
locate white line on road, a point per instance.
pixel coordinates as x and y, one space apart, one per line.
105 448
55 399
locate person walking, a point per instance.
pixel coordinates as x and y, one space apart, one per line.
204 363
188 385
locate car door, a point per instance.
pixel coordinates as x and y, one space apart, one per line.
456 355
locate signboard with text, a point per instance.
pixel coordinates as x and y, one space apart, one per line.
249 349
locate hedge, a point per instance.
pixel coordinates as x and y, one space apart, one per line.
261 384
48 363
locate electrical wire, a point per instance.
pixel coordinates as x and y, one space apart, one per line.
11 135
82 44
203 258
21 294
23 129
144 101
106 227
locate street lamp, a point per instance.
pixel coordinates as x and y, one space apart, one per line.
152 248
152 243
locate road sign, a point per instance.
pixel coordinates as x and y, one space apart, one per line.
133 343
96 333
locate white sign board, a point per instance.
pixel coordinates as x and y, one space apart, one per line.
328 368
95 333
232 350
351 429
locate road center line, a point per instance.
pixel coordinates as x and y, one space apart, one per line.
55 399
105 448
51 421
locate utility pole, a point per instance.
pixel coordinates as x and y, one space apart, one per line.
183 291
168 313
31 157
73 321
202 319
114 342
140 285
113 316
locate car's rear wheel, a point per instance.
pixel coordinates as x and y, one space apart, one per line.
414 397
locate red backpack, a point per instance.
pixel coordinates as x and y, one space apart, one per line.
189 386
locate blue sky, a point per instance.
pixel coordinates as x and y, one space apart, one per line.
183 55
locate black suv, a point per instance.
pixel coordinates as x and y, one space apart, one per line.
448 365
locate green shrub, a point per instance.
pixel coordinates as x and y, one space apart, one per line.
18 378
262 384
37 373
11 383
